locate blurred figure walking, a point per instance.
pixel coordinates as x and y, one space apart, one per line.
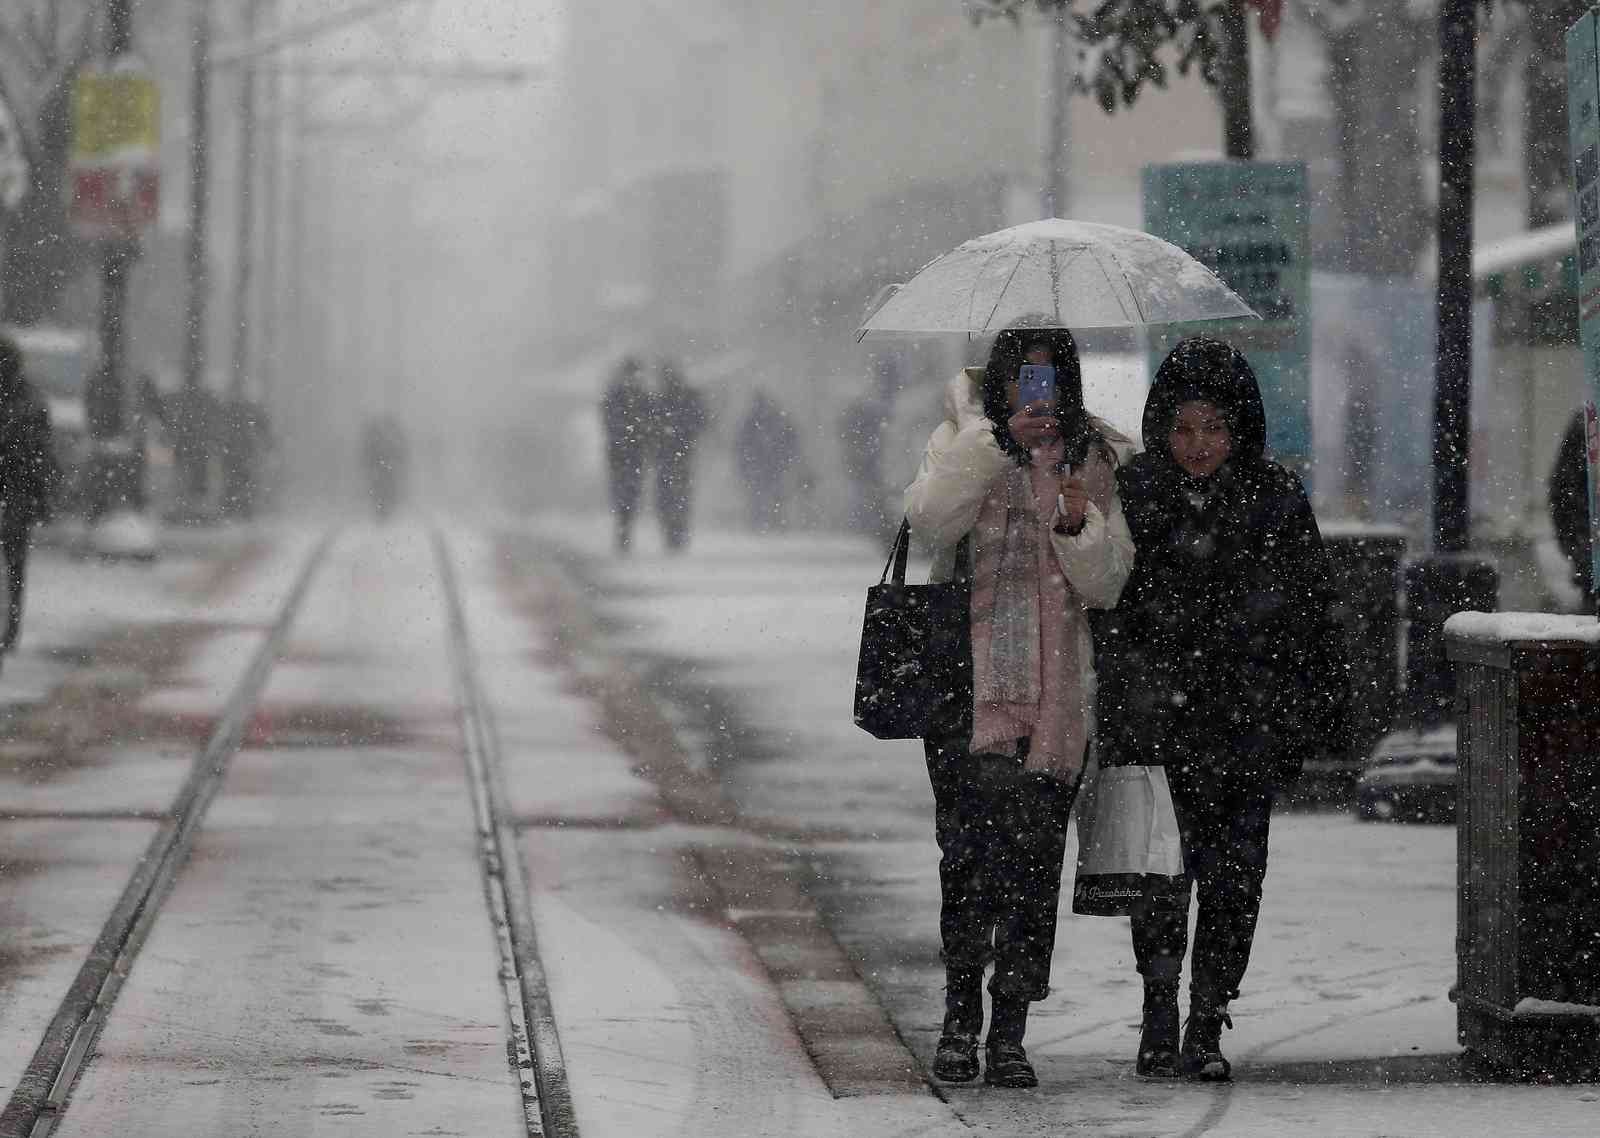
678 418
28 479
1569 508
244 440
385 455
625 416
767 448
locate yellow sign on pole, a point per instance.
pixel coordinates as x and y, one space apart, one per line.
115 115
115 169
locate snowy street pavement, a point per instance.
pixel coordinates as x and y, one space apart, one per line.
731 890
1344 1028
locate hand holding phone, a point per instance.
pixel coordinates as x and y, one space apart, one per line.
1036 383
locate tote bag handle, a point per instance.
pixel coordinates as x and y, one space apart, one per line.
902 550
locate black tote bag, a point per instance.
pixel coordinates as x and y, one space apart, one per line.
914 674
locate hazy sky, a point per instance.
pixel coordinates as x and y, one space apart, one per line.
421 218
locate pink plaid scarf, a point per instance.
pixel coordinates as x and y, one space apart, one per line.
1029 674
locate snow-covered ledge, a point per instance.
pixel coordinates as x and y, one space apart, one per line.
1505 627
1498 639
1528 1006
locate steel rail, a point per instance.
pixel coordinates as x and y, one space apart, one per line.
534 1048
40 1098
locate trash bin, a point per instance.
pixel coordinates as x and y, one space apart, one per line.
1436 587
1528 840
1366 568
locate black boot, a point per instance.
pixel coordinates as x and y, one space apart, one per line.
956 1060
1005 1062
1158 1037
1202 1057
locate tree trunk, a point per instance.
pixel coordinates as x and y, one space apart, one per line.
1238 127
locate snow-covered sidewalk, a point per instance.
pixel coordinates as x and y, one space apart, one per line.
1344 1028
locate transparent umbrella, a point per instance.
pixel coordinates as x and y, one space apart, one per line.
1055 273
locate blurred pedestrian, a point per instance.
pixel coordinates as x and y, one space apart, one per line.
861 428
679 415
193 422
1222 663
1569 508
244 438
625 416
767 450
1025 497
385 457
28 479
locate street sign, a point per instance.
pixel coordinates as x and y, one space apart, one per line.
115 178
1583 124
1247 222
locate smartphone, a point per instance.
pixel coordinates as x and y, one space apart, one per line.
1036 384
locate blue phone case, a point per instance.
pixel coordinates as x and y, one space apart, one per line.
1036 384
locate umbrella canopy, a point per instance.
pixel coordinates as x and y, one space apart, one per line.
1057 273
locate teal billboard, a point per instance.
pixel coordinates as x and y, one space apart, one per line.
1583 123
1248 223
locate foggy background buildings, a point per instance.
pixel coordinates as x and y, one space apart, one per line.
468 213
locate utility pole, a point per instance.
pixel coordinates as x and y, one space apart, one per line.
270 306
1238 128
1055 146
1453 379
194 457
115 481
240 435
1450 581
246 230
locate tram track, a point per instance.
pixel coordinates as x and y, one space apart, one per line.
535 1044
40 1098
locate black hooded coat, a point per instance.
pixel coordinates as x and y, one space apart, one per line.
1223 652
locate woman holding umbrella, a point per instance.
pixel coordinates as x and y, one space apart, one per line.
1032 486
1222 662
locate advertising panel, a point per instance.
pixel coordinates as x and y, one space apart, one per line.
1583 121
1248 223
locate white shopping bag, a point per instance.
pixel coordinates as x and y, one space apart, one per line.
1130 853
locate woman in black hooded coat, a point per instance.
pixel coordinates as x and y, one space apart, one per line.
1222 663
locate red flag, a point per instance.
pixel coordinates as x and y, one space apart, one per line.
1271 15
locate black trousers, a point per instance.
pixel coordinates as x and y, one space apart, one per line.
674 486
14 542
627 486
1224 823
1002 835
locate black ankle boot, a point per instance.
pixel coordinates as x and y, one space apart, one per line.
1158 1036
1201 1057
956 1060
1005 1062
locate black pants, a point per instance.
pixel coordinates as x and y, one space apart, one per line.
1002 836
1224 825
14 542
627 486
674 485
